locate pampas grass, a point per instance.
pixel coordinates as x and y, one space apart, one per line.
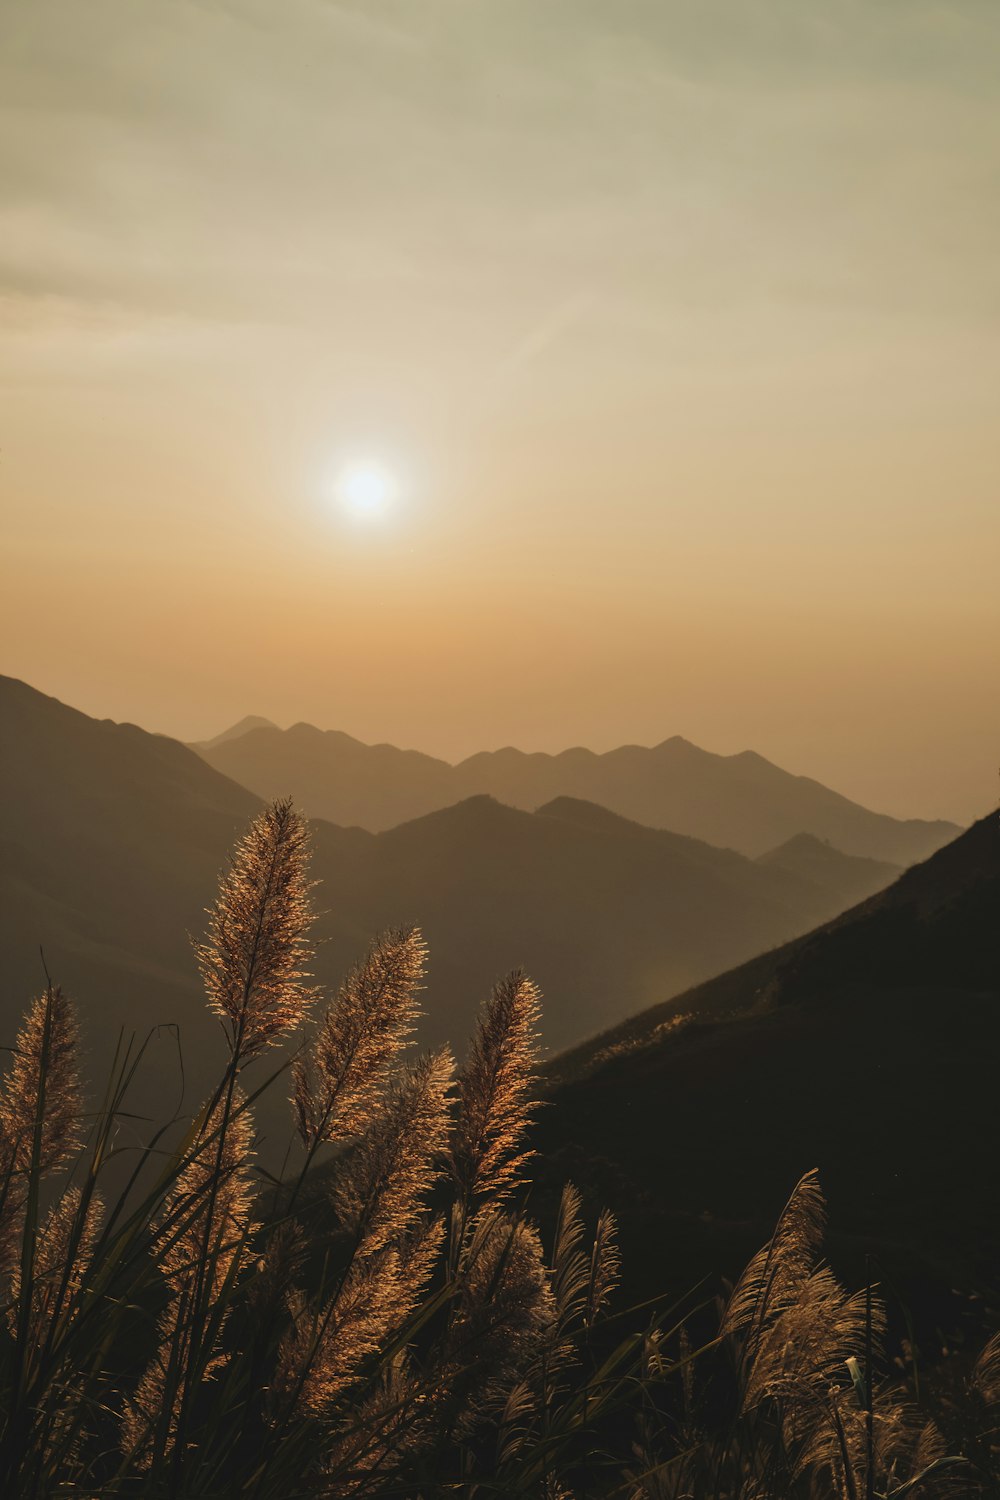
494 1092
252 961
42 1100
389 1321
339 1078
203 1242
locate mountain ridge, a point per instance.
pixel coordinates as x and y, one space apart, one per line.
113 840
742 801
235 731
865 1048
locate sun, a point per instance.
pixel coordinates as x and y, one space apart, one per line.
366 490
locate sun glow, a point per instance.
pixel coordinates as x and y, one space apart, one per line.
366 490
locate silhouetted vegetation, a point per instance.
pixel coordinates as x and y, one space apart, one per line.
114 836
385 1319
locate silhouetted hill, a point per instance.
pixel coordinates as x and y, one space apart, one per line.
112 840
605 914
235 732
337 778
867 1048
737 801
810 858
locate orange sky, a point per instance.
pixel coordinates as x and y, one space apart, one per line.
677 327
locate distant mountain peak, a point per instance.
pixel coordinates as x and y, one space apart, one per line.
752 758
679 743
586 814
302 727
742 801
470 809
246 725
802 843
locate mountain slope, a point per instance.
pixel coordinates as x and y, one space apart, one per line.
112 839
602 912
867 1049
337 778
810 858
738 801
235 732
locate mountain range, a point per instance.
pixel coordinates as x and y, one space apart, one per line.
740 801
111 840
865 1046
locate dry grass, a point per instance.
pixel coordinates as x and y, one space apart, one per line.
399 1328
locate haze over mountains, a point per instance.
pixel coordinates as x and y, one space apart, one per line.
245 725
811 1053
815 860
112 838
741 801
866 1048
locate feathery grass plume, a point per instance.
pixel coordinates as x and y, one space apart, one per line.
930 1445
208 1218
381 1432
41 1110
807 1349
776 1274
327 1345
986 1372
516 1423
232 1207
505 1310
62 1248
802 1355
904 1450
570 1266
339 1081
42 1088
605 1267
578 1283
277 1270
380 1187
378 1196
494 1091
252 962
581 1282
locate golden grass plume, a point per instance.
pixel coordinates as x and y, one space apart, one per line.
338 1082
253 959
381 1185
494 1091
42 1089
202 1242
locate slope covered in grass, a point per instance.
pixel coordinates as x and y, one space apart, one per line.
867 1049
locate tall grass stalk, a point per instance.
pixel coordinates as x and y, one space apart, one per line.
387 1320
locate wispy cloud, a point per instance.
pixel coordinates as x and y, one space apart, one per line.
542 334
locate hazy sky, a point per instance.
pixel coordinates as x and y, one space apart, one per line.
676 324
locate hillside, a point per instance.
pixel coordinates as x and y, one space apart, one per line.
867 1049
112 838
813 1053
738 801
604 914
813 859
235 732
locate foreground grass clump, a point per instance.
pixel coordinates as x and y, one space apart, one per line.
386 1320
